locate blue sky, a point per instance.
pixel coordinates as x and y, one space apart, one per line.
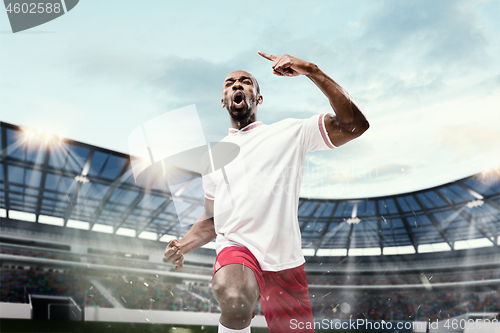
425 73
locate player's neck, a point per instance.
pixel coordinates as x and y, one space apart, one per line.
243 123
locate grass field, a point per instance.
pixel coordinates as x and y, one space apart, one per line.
33 326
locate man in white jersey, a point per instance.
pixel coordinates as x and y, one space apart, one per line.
251 205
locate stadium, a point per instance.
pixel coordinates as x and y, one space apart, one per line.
82 250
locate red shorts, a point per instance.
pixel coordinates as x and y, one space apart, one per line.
284 294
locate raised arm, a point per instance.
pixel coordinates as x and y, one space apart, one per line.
202 232
348 122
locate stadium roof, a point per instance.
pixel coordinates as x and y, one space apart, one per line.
50 180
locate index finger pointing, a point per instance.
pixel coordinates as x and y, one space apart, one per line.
267 56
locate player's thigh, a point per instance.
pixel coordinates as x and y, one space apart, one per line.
235 279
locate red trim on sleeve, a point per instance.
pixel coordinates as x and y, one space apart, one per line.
322 129
209 197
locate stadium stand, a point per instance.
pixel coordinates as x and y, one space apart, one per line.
17 282
73 223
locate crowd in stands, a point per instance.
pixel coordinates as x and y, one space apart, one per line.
100 259
192 270
17 282
90 258
478 276
313 279
202 289
44 254
155 294
361 280
415 278
402 306
116 261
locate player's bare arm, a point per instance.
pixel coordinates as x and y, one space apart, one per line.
348 122
202 232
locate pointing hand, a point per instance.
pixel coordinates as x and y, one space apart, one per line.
286 65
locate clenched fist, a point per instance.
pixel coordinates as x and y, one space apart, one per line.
173 253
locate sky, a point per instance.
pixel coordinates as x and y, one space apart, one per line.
426 74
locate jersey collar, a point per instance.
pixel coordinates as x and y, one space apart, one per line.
247 128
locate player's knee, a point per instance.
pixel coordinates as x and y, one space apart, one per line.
234 302
236 305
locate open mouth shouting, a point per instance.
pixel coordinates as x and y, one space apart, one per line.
238 100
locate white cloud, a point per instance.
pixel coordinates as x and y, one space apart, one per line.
425 73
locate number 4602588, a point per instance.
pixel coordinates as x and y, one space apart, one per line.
33 8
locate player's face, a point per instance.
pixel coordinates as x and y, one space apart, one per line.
240 96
